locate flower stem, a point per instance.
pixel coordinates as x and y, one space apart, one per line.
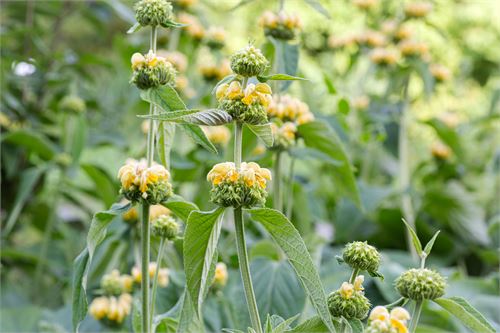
145 268
416 316
278 200
289 204
245 270
354 274
155 279
238 138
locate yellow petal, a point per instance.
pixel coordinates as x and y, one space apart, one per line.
263 88
221 91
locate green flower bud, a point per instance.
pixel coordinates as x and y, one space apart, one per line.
165 227
348 303
72 103
421 283
248 62
251 114
360 255
112 283
151 71
153 12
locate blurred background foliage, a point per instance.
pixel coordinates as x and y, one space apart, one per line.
68 121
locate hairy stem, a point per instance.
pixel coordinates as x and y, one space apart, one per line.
155 280
354 274
245 270
278 200
415 316
238 138
145 245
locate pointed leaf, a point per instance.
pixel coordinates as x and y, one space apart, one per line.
430 244
416 242
466 313
198 136
173 24
33 142
288 238
200 243
211 117
136 27
264 132
180 207
79 297
279 77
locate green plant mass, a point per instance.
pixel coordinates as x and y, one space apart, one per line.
250 166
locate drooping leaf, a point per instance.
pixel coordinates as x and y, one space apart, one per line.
173 24
79 297
317 6
180 207
279 77
263 132
416 242
200 243
165 140
430 244
32 141
198 136
288 238
330 87
211 117
188 321
466 313
105 187
319 136
136 27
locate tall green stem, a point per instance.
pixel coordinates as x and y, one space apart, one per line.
145 268
289 204
245 270
404 170
354 274
415 316
155 280
238 138
278 199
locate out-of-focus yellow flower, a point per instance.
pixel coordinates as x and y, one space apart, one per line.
259 150
361 102
261 93
176 58
217 34
364 4
131 215
163 277
137 60
305 118
384 56
346 290
449 119
218 135
99 307
371 38
440 151
157 210
186 4
127 282
358 283
403 32
272 21
193 26
379 313
418 9
400 313
414 48
153 266
220 276
335 42
381 321
286 107
440 72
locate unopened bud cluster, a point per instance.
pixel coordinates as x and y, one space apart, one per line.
417 9
245 106
218 135
248 62
163 277
140 183
383 321
111 309
151 71
166 227
215 38
349 301
243 187
153 13
220 276
114 283
72 103
361 256
212 71
280 26
421 283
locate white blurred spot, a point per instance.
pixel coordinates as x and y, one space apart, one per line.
24 69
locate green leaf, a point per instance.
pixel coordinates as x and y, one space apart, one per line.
200 243
226 79
212 117
288 238
305 153
165 140
416 242
198 136
356 325
33 142
343 106
29 178
136 27
279 77
284 325
189 321
448 135
313 324
172 24
167 325
467 314
317 6
329 84
430 244
320 136
264 132
180 207
105 187
81 266
137 316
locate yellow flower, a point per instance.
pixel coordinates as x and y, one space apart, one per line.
400 314
127 282
441 151
379 313
399 325
418 9
439 72
413 48
158 210
131 215
260 93
288 130
259 150
346 290
153 175
220 276
99 307
127 175
255 173
136 274
305 118
384 56
177 59
217 134
222 171
137 60
163 277
358 283
216 33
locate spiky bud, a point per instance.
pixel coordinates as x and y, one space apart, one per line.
248 62
360 255
153 12
421 283
348 302
166 227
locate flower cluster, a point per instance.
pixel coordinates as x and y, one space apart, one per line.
132 216
165 226
185 4
151 70
365 4
440 151
383 321
218 135
212 71
248 62
361 256
412 48
180 64
110 308
153 12
162 274
439 72
245 106
215 38
384 56
421 283
140 183
417 9
243 187
114 283
193 26
349 301
220 276
280 26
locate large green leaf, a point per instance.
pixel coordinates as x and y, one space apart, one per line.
468 315
180 207
277 289
319 136
165 139
81 266
105 187
189 321
33 142
264 132
200 243
288 238
211 117
279 77
313 324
